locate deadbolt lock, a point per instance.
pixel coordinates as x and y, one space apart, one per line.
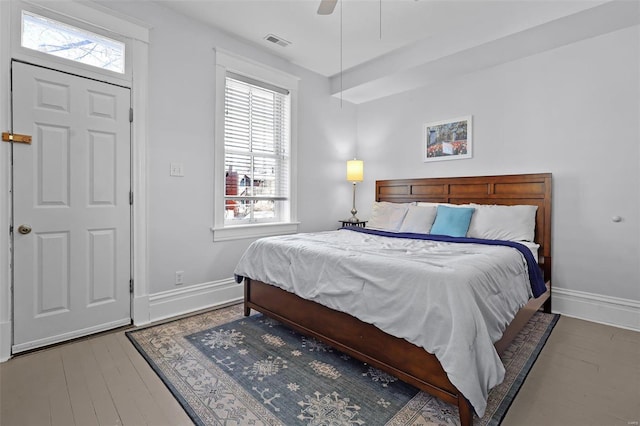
24 229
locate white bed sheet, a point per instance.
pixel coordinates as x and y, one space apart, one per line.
454 300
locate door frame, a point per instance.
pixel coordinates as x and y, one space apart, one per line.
138 34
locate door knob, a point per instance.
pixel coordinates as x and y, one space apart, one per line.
24 229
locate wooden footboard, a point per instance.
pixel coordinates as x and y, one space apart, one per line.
358 339
368 343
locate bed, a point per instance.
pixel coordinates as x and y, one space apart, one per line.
395 355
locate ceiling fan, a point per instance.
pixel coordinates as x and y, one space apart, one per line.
326 7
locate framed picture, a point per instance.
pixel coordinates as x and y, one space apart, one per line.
447 139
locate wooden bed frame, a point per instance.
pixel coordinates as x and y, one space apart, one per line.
396 356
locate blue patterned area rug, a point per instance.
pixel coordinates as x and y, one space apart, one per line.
227 369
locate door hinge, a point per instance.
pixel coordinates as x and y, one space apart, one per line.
131 285
130 115
130 198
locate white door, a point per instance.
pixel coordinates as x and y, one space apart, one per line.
71 187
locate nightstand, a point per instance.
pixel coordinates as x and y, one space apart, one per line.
347 222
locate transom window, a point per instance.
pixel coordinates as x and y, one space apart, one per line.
256 151
65 41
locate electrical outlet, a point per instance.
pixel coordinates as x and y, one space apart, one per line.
179 277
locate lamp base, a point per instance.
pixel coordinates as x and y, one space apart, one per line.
354 211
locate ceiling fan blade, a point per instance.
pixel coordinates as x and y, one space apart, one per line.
326 7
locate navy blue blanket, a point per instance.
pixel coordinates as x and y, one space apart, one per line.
535 273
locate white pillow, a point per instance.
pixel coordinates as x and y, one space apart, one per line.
495 222
430 204
419 219
387 216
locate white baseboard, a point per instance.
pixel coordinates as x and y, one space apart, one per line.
5 341
193 298
140 314
615 311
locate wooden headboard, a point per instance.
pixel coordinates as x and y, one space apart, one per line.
531 189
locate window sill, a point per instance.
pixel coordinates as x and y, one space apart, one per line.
239 232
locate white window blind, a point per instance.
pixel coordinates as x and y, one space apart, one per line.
256 151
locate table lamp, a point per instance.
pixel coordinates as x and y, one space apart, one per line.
355 173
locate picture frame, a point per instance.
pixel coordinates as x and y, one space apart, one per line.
448 139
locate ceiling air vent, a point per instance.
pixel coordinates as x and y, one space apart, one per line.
277 40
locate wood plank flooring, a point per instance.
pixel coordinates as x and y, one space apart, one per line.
587 374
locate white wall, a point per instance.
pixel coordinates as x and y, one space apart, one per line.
181 129
5 179
574 112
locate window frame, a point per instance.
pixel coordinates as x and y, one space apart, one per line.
229 62
261 100
27 16
36 57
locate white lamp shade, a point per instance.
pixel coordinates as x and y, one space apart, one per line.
355 170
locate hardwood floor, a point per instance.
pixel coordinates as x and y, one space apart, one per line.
587 374
96 381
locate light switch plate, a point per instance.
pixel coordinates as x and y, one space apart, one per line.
177 169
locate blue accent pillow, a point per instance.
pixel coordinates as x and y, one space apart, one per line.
452 221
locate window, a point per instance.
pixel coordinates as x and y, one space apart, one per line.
55 38
256 151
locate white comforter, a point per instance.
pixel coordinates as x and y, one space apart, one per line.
452 299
